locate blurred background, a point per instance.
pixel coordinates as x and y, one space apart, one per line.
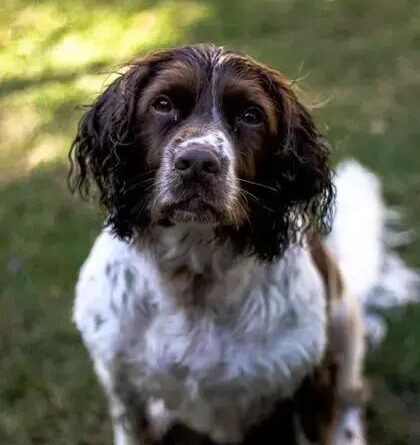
359 58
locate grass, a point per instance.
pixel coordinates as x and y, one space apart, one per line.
360 57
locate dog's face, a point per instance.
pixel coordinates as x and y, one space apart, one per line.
204 118
203 135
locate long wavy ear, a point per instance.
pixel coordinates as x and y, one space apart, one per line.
103 151
298 174
303 157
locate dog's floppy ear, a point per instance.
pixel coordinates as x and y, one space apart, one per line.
302 153
108 152
102 130
296 169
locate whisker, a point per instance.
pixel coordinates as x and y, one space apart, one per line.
258 201
139 184
255 198
140 175
258 184
238 202
233 216
140 206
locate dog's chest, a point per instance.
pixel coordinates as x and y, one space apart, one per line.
189 353
248 344
184 363
202 364
255 332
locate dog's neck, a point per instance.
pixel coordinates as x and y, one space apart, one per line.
195 265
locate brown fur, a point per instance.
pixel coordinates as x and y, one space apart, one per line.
282 170
310 414
314 411
282 164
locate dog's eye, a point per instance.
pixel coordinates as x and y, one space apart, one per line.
162 105
252 116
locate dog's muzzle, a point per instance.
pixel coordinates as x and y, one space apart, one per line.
197 163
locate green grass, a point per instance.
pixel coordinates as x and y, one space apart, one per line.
359 56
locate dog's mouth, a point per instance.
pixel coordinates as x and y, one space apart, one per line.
194 210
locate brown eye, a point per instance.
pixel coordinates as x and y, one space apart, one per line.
162 105
252 116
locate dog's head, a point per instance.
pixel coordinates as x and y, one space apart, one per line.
203 135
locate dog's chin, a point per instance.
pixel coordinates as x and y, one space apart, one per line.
194 211
192 217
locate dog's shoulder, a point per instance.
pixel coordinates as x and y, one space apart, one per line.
113 272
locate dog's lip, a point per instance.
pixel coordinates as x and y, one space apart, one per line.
192 203
192 209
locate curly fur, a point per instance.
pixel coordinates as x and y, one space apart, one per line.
291 188
197 307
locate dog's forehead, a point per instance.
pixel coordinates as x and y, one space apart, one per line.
212 75
204 80
206 68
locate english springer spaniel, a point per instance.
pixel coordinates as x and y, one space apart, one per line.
211 306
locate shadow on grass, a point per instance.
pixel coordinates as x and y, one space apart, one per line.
10 85
393 371
47 389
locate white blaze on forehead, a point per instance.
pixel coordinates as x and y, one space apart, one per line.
215 111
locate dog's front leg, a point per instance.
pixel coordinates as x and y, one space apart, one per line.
129 422
122 436
126 407
348 346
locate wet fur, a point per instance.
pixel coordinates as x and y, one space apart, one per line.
118 148
219 325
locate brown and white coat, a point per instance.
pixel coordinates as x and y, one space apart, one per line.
210 306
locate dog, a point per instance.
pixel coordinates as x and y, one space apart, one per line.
213 307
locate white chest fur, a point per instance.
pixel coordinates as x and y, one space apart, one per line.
255 331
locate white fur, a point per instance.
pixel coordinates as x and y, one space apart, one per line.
350 430
214 139
356 238
206 356
375 276
362 242
260 330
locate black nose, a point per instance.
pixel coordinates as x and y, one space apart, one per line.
196 161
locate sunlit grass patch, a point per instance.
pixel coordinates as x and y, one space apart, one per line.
60 36
36 126
57 56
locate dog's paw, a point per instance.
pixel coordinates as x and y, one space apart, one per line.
350 429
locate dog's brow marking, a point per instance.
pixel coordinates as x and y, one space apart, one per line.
214 108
